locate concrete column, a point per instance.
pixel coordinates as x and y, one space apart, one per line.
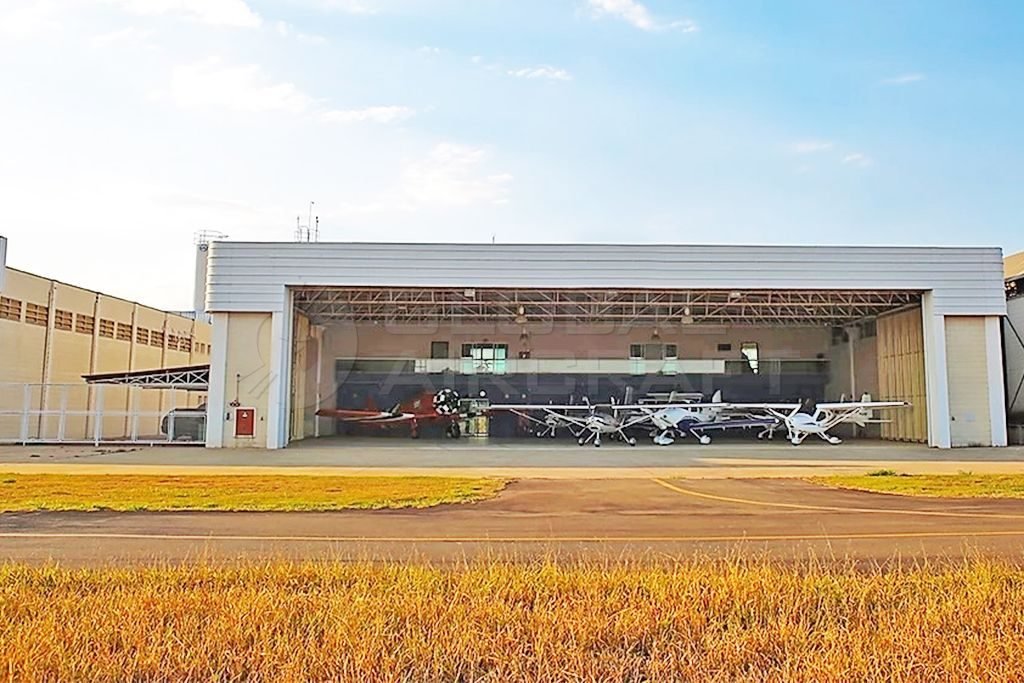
996 379
936 379
279 392
216 407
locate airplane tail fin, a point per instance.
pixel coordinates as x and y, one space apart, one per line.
717 397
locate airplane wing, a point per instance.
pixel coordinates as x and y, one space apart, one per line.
740 423
545 406
866 405
354 415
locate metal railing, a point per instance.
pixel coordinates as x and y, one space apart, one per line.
99 414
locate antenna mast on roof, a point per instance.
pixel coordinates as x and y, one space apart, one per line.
310 232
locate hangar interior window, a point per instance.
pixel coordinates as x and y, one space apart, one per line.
36 314
106 328
839 336
722 348
750 354
156 338
84 324
63 320
141 335
438 349
653 351
124 332
486 356
10 309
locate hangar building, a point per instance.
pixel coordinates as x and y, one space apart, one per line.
303 326
52 334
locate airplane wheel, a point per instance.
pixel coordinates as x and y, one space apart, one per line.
581 441
795 441
705 440
632 442
597 444
552 434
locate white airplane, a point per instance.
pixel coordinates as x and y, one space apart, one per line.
589 422
613 419
826 416
589 427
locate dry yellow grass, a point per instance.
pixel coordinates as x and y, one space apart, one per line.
960 485
26 492
500 621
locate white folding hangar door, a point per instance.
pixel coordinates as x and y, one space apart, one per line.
975 395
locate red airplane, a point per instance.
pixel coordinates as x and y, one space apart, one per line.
426 407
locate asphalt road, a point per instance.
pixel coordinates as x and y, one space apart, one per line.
563 519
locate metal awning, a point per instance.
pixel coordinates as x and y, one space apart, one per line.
189 378
622 306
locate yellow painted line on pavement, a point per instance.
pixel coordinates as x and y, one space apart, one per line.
15 535
833 508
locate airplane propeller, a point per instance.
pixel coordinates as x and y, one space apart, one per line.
446 402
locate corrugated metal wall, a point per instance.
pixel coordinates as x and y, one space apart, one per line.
901 375
970 423
253 276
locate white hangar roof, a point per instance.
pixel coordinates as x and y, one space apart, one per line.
254 276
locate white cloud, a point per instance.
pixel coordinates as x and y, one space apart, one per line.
28 20
812 146
637 15
450 176
347 6
390 114
286 30
235 13
429 50
212 84
125 36
543 71
903 79
857 159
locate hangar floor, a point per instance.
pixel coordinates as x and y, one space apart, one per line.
524 459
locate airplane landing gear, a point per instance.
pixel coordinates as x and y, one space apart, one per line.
453 431
704 439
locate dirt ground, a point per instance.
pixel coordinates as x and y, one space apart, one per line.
633 518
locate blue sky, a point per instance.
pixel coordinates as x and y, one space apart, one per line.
128 125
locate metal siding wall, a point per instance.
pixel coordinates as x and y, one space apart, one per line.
967 368
901 375
251 276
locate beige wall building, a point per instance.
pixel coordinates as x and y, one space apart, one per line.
53 333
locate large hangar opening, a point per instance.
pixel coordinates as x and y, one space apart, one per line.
374 348
308 327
